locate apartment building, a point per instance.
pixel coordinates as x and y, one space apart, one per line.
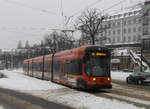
129 27
146 19
126 28
123 28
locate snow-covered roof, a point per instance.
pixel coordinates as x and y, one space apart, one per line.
130 8
121 43
124 14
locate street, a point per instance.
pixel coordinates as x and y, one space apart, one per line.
144 87
131 94
134 94
10 99
32 93
121 91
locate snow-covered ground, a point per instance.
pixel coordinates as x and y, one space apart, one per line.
1 107
16 80
89 101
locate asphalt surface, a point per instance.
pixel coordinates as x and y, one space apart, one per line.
11 99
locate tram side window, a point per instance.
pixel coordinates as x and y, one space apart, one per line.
35 67
41 67
74 67
47 67
57 67
38 66
77 67
68 67
30 66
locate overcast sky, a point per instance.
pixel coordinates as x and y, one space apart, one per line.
31 19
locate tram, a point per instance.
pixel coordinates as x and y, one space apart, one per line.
86 67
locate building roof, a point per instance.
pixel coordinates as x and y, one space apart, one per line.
124 14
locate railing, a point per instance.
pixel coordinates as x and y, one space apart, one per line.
138 60
145 60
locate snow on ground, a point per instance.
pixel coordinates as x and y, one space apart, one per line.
119 75
88 101
1 107
17 80
53 92
130 99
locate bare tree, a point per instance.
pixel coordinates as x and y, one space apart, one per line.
58 41
50 40
68 39
89 22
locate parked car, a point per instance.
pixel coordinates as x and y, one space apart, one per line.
138 78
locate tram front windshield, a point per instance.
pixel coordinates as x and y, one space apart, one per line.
98 66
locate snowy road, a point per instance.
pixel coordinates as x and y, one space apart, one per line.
135 94
119 97
132 95
120 78
87 99
11 99
144 87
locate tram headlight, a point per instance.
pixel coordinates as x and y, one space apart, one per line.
108 79
94 79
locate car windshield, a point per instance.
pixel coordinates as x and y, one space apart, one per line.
145 73
140 73
97 66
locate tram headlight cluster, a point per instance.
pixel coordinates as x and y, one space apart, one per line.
94 79
108 79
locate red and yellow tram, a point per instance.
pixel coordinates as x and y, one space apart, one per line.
87 67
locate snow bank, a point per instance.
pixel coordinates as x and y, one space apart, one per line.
118 75
88 101
17 80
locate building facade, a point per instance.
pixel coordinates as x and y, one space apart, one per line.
146 19
127 28
123 28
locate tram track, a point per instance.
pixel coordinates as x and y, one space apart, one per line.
141 87
126 93
11 99
121 92
124 99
